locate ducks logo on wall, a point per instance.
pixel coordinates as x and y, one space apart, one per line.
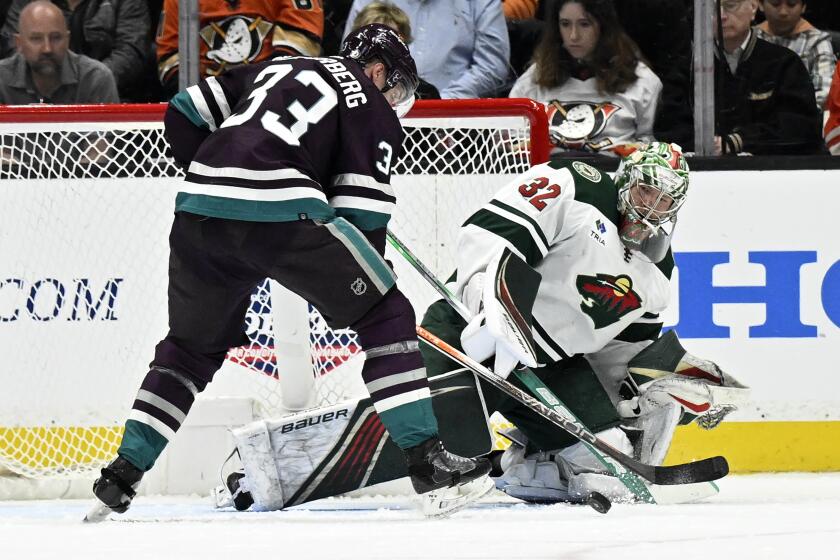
574 123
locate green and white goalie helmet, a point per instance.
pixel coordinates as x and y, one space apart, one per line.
652 186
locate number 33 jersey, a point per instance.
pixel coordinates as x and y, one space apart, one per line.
563 219
292 138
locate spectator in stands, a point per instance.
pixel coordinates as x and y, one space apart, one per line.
519 9
663 31
5 42
241 32
764 99
335 20
44 70
832 125
785 26
600 96
388 14
115 32
460 46
525 26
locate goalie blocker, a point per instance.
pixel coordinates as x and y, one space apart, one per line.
333 450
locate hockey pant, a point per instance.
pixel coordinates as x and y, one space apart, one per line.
216 264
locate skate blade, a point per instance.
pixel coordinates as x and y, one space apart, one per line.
446 501
99 512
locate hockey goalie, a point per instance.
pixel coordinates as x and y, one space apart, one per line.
565 271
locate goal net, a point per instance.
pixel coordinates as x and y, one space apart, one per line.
85 208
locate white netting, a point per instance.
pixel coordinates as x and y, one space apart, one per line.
85 209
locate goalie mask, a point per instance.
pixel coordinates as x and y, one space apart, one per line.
652 185
377 42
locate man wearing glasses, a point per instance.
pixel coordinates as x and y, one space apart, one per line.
764 98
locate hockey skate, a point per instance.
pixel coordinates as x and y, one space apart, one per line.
114 490
446 482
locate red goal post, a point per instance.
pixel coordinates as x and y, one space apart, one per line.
85 207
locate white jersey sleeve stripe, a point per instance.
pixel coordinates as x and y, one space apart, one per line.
219 96
361 203
244 193
201 106
366 181
197 168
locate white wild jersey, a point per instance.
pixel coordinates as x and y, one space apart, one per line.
562 218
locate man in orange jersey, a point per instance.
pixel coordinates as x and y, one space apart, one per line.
235 32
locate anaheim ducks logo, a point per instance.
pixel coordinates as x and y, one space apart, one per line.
573 123
606 298
235 39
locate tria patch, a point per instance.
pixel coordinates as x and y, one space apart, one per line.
607 298
598 233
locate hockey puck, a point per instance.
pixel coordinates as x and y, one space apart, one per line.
598 502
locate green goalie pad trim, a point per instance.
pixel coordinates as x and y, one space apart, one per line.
141 445
184 103
410 424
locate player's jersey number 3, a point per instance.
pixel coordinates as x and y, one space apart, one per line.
304 116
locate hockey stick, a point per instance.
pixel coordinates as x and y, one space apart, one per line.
551 408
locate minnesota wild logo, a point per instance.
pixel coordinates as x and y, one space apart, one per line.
606 298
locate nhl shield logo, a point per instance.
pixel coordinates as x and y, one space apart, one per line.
358 286
606 298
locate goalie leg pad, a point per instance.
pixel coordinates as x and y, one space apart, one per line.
332 450
564 475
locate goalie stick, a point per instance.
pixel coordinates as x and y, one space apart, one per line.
553 410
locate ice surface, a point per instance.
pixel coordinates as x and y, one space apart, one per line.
785 516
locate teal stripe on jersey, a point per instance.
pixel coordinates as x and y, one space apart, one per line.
254 210
368 258
141 445
516 234
410 424
185 105
365 220
638 332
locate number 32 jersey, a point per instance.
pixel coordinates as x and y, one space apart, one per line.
562 218
292 138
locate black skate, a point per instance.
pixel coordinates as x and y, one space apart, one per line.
114 489
430 467
445 481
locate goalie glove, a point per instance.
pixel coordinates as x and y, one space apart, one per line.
503 327
664 373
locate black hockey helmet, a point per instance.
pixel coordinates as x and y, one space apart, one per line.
380 42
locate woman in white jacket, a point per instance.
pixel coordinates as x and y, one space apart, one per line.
599 94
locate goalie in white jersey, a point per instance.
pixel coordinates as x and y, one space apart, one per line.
602 248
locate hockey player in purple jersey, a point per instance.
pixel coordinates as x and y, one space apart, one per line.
288 167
